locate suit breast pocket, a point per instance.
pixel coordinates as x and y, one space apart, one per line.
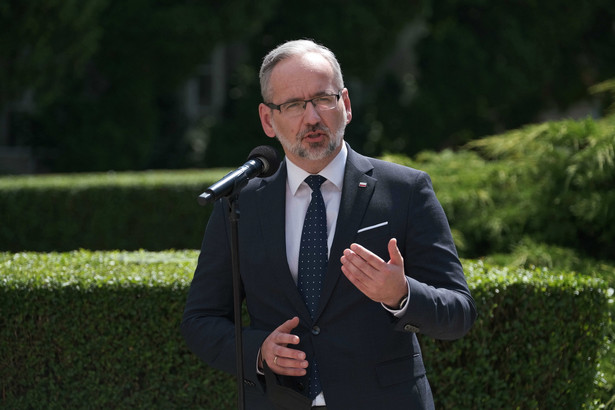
375 237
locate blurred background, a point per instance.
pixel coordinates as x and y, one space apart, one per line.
102 85
172 85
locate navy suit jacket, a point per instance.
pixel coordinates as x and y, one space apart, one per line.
367 358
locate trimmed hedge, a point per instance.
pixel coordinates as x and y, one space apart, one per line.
552 182
154 210
100 330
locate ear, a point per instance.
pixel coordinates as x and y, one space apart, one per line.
346 99
266 114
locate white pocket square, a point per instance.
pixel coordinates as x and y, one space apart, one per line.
367 228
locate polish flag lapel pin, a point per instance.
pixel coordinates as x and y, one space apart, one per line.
362 184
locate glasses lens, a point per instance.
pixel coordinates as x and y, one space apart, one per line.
296 108
326 102
292 108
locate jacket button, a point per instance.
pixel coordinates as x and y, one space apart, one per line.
315 330
411 329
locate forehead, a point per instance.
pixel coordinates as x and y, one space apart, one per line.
301 76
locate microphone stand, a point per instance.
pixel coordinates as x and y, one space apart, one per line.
240 177
233 214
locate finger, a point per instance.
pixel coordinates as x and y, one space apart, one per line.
287 361
288 353
355 266
282 336
368 256
283 339
280 358
355 276
290 358
375 278
289 325
363 264
394 253
283 368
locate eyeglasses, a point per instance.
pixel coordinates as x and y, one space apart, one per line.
296 108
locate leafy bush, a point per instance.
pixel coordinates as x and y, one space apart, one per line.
569 170
104 78
529 254
534 337
150 210
553 182
101 330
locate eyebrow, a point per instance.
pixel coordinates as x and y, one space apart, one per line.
318 94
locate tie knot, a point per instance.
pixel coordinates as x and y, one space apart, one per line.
315 181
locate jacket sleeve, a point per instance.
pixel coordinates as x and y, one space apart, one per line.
208 319
440 304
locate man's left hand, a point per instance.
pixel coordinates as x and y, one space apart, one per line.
381 281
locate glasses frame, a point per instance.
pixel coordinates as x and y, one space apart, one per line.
278 107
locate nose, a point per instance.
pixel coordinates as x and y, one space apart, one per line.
311 114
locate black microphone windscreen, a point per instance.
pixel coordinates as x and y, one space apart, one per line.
270 158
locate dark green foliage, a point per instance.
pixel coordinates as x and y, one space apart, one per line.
541 196
483 67
361 34
568 168
101 330
103 76
44 45
441 73
554 182
149 210
534 337
529 254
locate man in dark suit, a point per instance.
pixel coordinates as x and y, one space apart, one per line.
345 336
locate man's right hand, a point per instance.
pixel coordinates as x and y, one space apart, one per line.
281 359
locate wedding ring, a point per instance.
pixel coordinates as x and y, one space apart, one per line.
275 360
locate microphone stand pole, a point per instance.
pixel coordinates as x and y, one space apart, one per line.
233 214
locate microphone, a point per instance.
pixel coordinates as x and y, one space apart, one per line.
263 161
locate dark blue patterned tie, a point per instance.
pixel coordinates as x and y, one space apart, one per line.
313 258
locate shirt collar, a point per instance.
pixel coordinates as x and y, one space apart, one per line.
334 171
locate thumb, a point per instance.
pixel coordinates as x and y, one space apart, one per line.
395 254
289 325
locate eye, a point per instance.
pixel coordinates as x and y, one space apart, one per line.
324 100
292 106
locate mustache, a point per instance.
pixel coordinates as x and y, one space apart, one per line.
314 128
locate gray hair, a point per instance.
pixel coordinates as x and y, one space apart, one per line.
290 49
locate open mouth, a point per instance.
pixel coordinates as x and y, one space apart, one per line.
314 136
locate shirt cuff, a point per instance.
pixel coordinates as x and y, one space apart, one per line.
399 313
259 371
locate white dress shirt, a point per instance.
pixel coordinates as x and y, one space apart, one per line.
298 196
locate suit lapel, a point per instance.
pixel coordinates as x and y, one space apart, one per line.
356 194
272 215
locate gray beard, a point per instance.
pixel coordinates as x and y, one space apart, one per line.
319 150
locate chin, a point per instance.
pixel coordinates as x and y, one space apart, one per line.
317 150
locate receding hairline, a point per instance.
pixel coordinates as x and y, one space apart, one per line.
291 49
